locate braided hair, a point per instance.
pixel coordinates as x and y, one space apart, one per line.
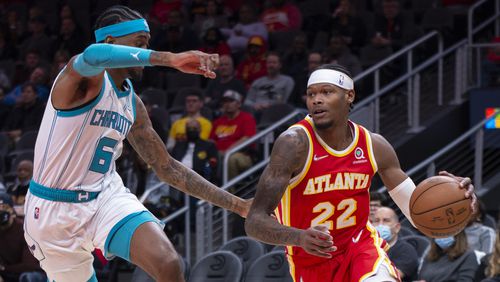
116 14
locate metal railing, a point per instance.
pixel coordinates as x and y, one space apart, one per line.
471 154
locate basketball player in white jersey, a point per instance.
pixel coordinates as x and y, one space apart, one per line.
77 201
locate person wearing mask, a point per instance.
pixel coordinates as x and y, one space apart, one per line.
449 259
15 256
401 253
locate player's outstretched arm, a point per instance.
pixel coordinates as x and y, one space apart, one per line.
288 156
152 150
399 185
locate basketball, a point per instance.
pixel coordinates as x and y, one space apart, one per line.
438 207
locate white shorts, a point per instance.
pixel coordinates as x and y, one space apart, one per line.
62 235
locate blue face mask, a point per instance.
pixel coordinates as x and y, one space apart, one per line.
384 231
445 243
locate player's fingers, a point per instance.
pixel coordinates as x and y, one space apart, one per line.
321 235
214 58
474 203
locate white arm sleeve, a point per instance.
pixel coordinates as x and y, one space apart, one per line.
401 195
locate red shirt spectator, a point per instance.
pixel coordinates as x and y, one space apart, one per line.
213 43
282 16
234 125
161 8
254 64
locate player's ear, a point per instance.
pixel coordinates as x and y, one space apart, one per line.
109 40
351 95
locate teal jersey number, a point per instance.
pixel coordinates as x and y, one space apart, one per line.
102 159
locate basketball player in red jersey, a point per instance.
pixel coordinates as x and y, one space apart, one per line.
317 187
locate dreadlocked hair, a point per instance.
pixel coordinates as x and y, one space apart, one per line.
116 14
339 68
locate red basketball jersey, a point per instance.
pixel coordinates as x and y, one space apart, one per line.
331 190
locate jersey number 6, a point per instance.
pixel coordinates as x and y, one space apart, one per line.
326 210
102 159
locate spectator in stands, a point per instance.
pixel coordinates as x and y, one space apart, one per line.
282 15
247 26
345 22
295 59
274 88
231 129
213 18
15 257
193 104
214 43
377 200
71 37
448 259
8 50
314 60
225 80
339 53
38 39
16 27
155 122
61 58
18 189
175 36
160 12
401 253
24 70
480 237
39 78
26 115
196 153
390 27
493 262
253 65
490 75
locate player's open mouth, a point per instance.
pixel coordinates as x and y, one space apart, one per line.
318 113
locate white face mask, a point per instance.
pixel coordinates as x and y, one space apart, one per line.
384 231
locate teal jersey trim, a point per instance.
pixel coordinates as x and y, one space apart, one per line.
120 93
59 195
93 278
119 238
82 110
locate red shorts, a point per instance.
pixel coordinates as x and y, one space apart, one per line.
359 261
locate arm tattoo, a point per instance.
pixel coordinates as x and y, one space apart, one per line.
148 144
288 157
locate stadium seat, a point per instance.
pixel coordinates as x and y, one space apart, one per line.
156 97
247 249
219 266
278 249
420 243
273 114
271 267
489 221
404 232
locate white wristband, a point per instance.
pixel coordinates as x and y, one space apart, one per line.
401 195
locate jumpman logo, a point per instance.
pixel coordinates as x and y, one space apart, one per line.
136 55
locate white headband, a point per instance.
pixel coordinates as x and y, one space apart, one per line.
338 78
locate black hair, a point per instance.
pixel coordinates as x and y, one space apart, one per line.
116 14
341 69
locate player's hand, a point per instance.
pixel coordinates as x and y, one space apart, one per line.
316 240
465 183
196 62
247 203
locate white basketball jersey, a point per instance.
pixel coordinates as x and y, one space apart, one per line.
77 149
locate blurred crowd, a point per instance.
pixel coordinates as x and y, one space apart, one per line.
267 50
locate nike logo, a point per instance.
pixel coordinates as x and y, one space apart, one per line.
357 238
136 55
316 158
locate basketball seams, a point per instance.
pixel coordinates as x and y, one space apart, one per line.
423 192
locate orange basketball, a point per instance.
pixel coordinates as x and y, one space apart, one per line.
438 207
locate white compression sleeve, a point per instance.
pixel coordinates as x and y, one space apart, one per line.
401 195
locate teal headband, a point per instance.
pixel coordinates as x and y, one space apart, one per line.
121 29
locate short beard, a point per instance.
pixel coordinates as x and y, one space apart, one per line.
325 125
